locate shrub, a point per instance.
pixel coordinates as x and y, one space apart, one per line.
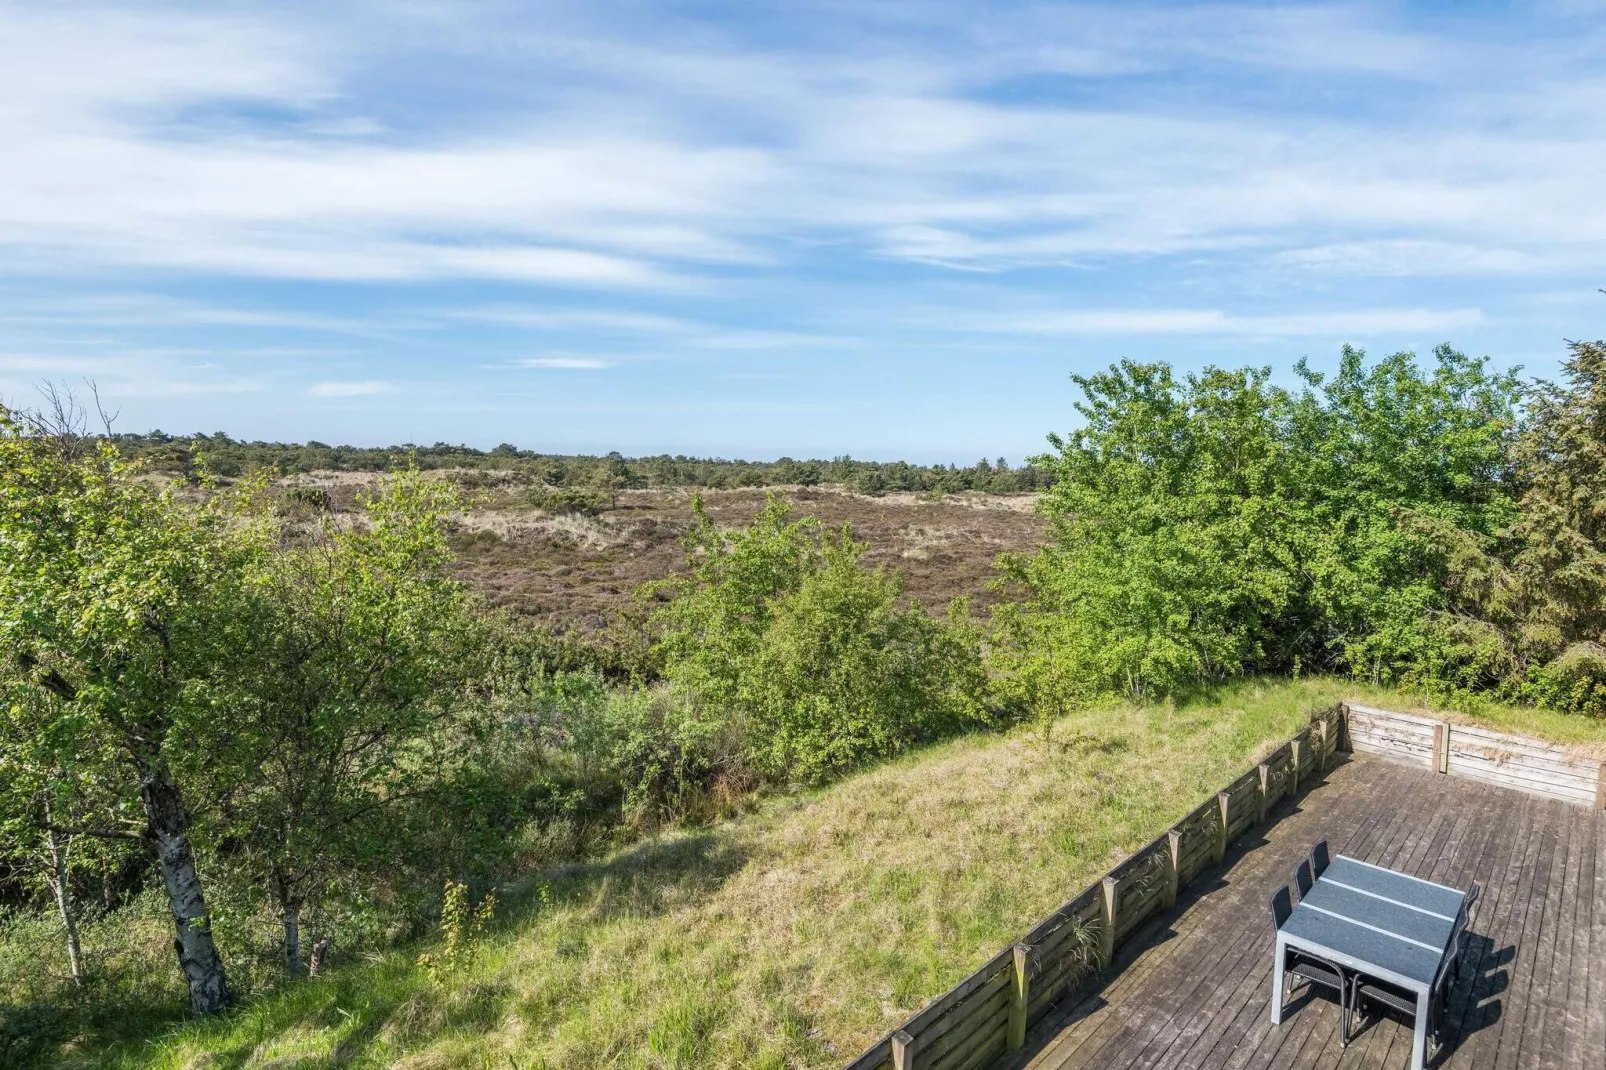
787 639
568 501
1215 524
844 677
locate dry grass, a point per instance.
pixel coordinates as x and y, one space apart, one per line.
790 937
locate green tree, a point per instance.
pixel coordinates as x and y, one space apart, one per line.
1530 610
611 476
1169 536
117 610
348 703
1397 472
1217 523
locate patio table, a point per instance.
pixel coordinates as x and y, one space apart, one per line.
1370 920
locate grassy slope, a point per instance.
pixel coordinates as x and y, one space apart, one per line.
791 937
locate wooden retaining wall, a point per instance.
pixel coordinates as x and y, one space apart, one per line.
1476 753
987 1014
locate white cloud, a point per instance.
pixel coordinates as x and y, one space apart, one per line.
1407 257
123 374
576 363
354 389
643 154
1352 323
554 319
135 309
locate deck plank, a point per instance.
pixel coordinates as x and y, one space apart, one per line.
1252 1016
1192 988
1249 1000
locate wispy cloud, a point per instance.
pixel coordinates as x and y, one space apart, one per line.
549 319
572 363
1352 323
684 155
124 375
700 197
356 389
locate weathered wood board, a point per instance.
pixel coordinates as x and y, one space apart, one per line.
1530 765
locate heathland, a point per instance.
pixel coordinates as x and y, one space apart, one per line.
449 757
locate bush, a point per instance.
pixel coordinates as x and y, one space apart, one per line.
673 756
844 677
568 501
1217 524
789 641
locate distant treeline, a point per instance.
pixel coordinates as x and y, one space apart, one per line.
231 457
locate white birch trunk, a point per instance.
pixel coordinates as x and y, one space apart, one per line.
192 924
58 885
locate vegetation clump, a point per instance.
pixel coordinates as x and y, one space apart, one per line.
610 474
1392 523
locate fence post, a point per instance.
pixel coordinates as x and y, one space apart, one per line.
1343 725
1293 783
1174 841
1019 995
1225 801
903 1051
1600 788
1107 937
1321 748
1260 796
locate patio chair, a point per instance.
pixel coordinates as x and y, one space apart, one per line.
1310 969
1365 988
1303 879
1459 942
1318 858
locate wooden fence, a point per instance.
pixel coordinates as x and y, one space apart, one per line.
987 1014
1476 753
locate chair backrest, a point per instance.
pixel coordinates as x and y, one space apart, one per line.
1318 858
1302 878
1457 933
1282 905
1468 908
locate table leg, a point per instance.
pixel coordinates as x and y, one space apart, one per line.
1419 1040
1277 982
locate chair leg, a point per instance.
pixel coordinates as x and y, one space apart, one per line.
1343 1012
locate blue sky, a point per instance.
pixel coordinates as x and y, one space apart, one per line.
889 229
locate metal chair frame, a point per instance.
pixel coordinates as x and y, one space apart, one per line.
1303 966
1319 858
1362 988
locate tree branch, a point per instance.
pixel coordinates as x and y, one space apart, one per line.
97 833
50 680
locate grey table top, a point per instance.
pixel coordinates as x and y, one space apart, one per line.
1376 917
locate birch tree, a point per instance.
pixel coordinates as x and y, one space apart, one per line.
115 613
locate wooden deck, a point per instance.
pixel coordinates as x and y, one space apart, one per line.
1194 991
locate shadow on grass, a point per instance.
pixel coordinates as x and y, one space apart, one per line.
40 1034
363 1010
645 879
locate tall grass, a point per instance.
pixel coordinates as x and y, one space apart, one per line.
789 937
